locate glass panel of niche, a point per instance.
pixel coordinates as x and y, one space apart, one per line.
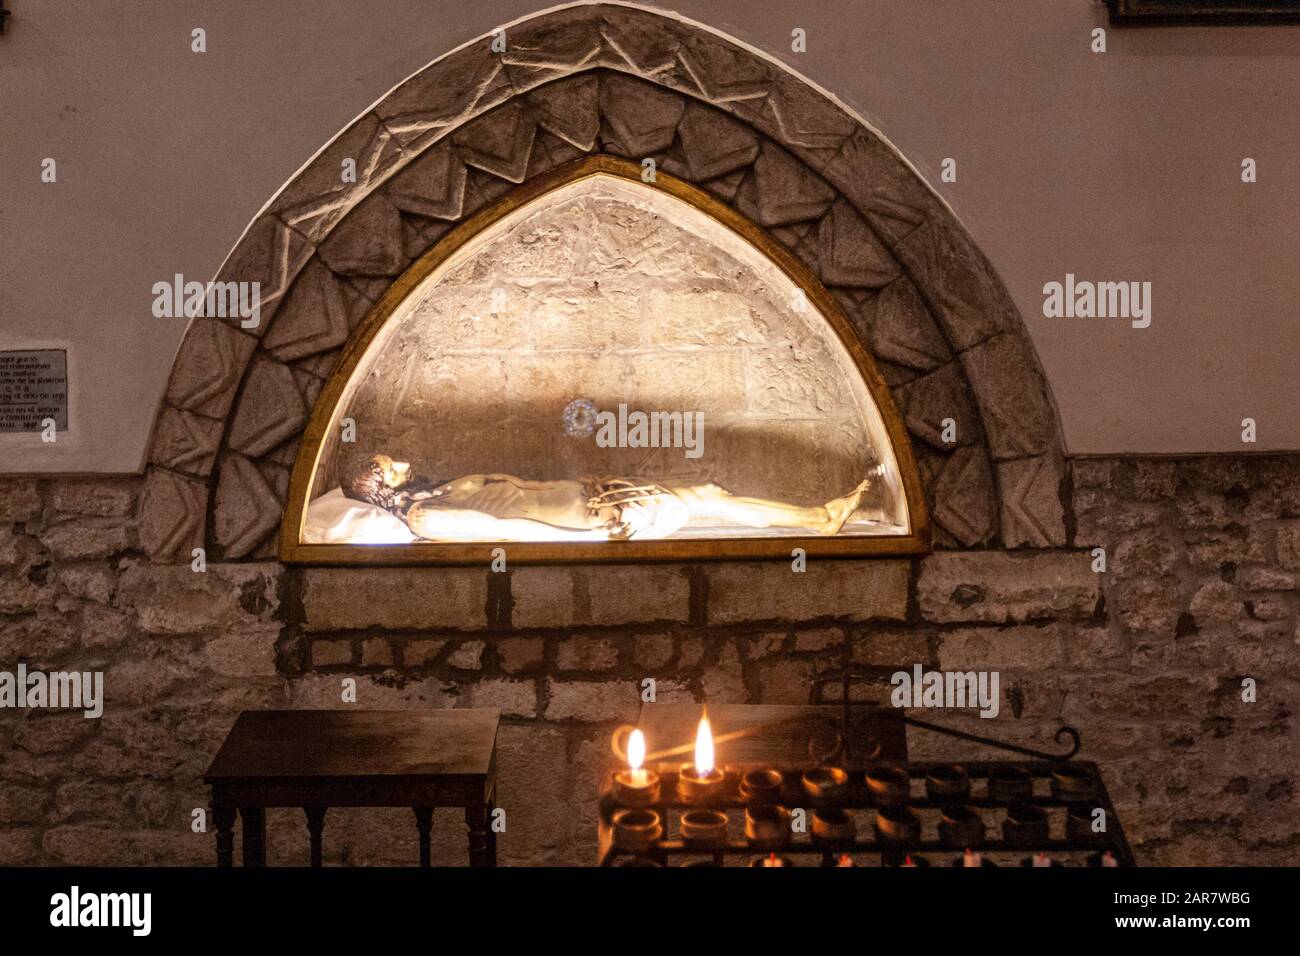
607 361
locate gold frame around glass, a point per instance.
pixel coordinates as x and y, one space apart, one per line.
292 549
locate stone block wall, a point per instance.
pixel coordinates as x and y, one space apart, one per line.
1146 659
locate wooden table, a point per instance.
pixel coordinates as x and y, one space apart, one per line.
317 759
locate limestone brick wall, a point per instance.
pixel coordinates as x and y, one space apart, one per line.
1146 659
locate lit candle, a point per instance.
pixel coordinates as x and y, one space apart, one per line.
1042 859
636 757
844 860
1108 859
636 786
704 746
701 780
971 858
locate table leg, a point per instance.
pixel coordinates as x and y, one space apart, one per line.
476 820
491 833
254 835
424 823
315 826
225 821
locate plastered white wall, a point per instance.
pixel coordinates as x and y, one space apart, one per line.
1115 166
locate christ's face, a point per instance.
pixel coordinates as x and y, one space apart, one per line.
396 473
391 473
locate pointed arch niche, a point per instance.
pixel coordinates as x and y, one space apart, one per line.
478 134
587 289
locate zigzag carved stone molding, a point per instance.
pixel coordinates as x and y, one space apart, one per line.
462 132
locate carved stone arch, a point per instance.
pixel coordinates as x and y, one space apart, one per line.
625 81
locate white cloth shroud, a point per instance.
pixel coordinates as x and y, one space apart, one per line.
334 518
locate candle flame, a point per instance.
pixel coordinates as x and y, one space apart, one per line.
635 749
704 746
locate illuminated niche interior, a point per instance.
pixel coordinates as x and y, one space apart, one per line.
527 353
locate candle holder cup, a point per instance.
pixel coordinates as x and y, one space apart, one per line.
1025 825
1010 784
961 826
694 786
948 782
637 830
1078 824
767 826
703 828
1073 783
832 825
825 783
897 824
761 786
636 788
889 783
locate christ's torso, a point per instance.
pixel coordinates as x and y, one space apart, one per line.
560 503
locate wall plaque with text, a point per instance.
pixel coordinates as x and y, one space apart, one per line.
1176 12
33 388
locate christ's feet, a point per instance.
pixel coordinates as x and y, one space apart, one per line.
841 509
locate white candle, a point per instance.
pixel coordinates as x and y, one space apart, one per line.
635 757
970 858
636 786
704 748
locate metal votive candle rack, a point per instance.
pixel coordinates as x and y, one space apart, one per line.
981 813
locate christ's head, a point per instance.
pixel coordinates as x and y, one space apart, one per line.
377 481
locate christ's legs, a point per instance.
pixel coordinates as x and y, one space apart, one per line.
714 502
